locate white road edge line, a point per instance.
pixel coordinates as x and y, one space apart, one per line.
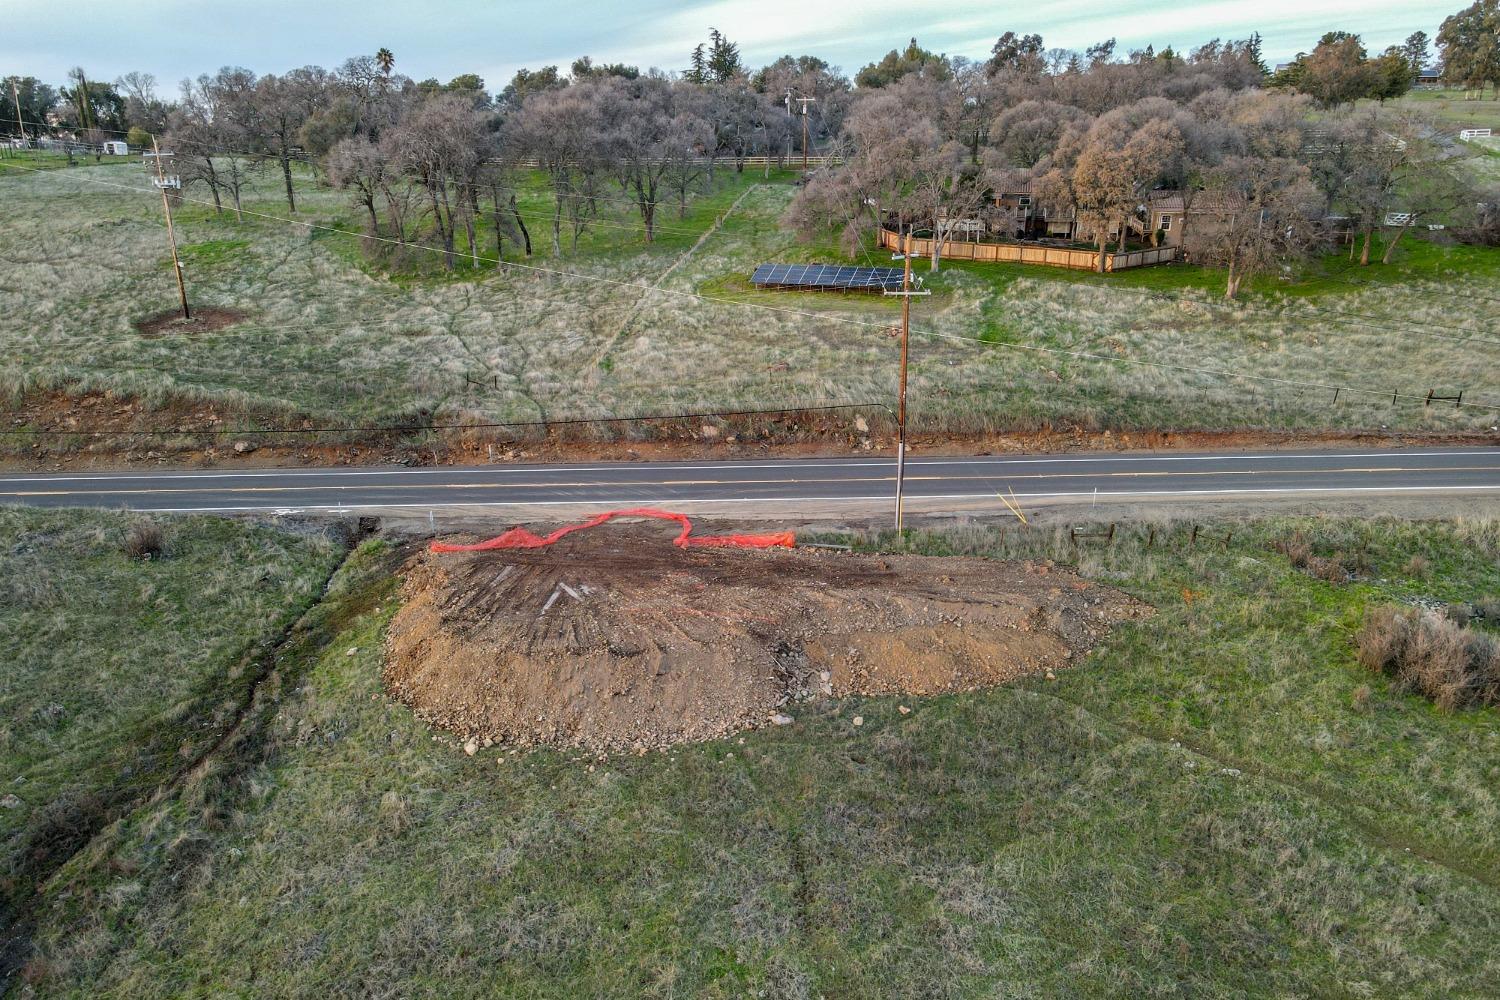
882 498
802 464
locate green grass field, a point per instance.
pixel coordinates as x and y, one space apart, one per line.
625 329
1218 801
1454 107
117 670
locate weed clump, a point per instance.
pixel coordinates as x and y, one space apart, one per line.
145 540
1341 567
1423 651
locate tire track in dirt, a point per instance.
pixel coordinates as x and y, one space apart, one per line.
682 258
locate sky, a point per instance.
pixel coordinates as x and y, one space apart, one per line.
175 39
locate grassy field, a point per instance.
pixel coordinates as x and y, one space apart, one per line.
1219 801
1454 107
119 670
629 329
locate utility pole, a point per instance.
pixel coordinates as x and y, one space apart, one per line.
805 101
20 123
906 294
163 182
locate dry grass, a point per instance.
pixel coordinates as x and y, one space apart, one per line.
328 337
116 668
1430 654
1219 802
145 540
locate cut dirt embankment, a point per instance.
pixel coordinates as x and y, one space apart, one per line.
56 429
617 642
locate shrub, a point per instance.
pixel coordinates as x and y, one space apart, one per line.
145 540
1423 651
1331 569
1488 608
1297 549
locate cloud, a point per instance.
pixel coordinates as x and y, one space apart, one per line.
178 38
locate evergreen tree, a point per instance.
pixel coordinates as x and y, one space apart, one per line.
1253 50
723 57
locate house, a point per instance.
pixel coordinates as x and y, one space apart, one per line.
115 148
1431 76
1166 218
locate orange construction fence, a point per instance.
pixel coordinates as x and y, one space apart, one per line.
520 538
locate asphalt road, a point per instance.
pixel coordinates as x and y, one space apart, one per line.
786 486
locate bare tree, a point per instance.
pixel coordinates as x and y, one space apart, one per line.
443 144
210 134
1027 132
1269 215
560 129
640 135
283 105
357 165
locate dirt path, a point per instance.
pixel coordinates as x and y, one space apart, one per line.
682 258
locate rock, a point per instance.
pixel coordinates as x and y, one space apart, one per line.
709 431
859 720
1051 676
11 802
352 651
903 709
244 447
782 719
862 425
471 747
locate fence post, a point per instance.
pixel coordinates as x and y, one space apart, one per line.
1193 538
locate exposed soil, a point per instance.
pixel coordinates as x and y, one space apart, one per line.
209 435
616 641
204 319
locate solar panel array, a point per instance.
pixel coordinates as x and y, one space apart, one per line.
826 276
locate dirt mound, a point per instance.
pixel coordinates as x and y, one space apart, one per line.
618 641
204 320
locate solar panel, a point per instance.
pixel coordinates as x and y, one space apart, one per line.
826 276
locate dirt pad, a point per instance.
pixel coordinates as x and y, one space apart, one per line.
204 320
616 641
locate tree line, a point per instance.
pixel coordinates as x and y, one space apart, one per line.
918 136
1272 163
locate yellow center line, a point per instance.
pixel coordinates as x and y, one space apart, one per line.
627 485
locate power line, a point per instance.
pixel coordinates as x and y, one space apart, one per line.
490 260
1395 395
1219 373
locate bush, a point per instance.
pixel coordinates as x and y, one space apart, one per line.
1488 608
138 138
1423 651
145 540
1297 549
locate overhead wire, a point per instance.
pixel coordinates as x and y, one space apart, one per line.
1220 373
515 265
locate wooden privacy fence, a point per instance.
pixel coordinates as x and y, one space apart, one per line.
1032 253
793 162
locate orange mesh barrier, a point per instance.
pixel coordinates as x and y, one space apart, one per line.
520 538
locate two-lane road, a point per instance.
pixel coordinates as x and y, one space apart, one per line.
784 487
